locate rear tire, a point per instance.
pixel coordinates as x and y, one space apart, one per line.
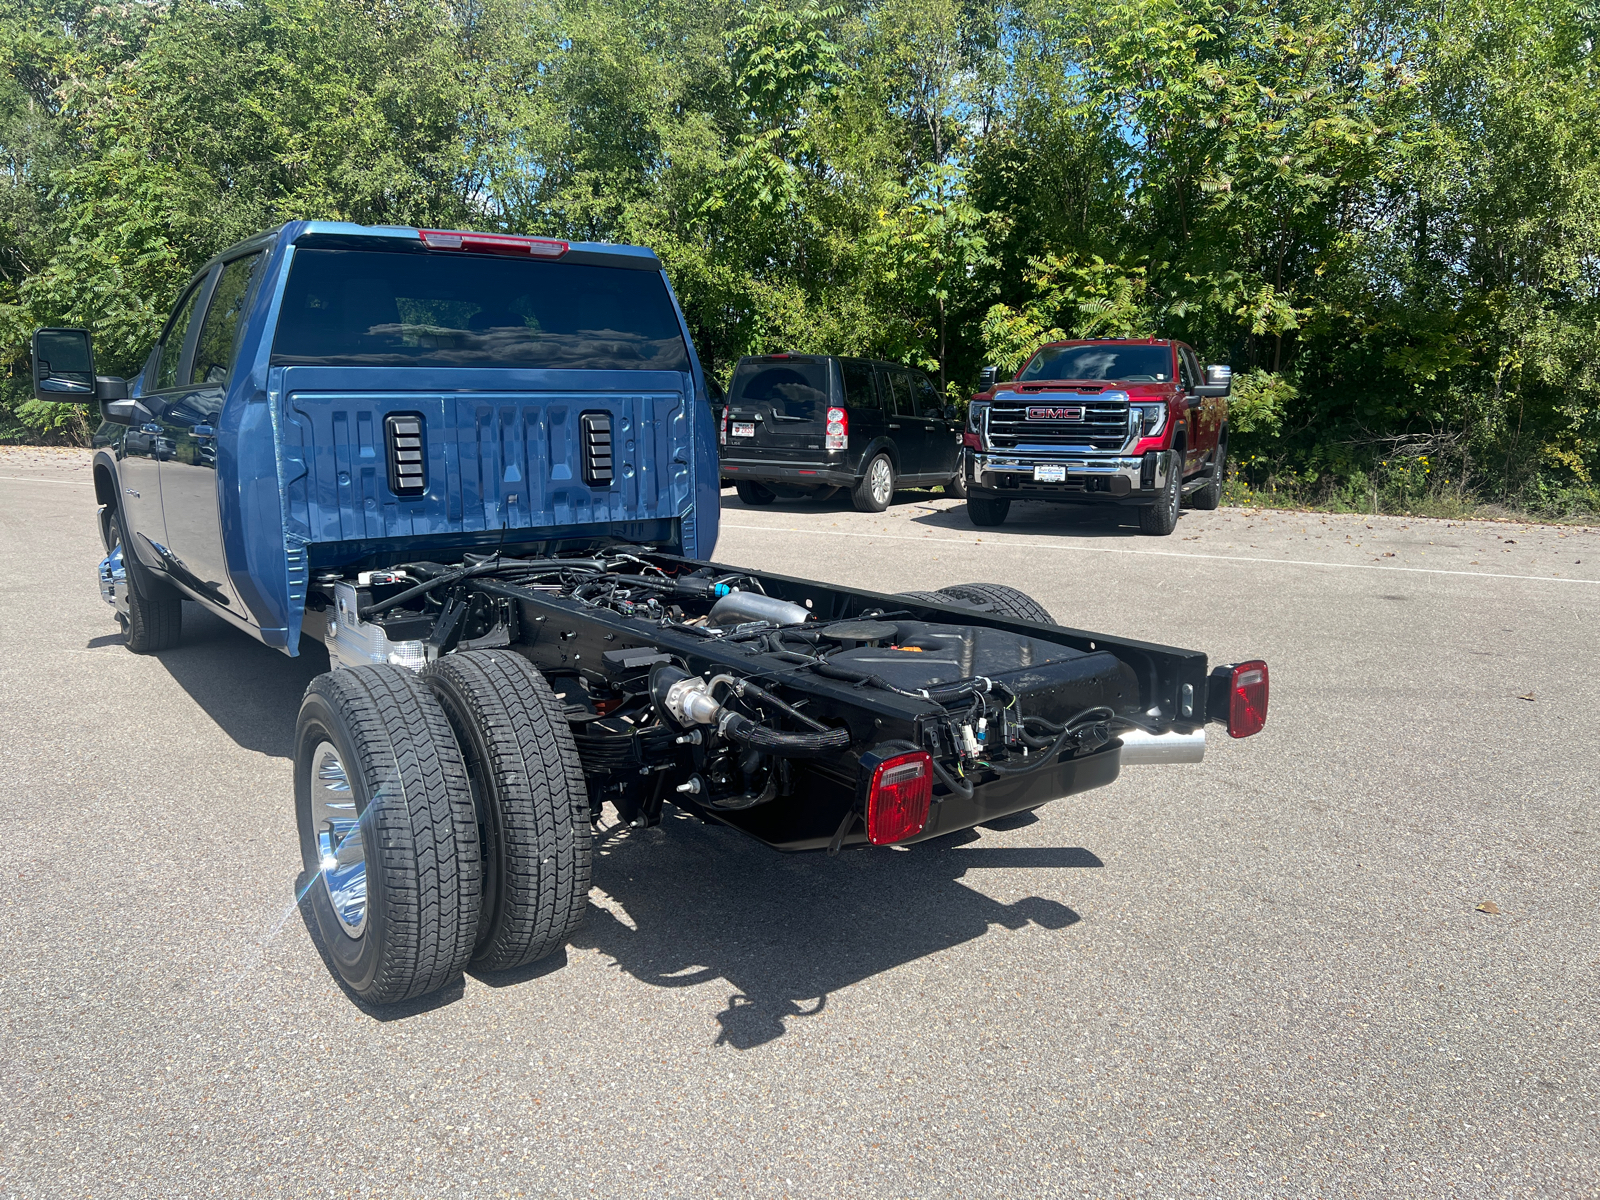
531 798
152 624
1161 518
987 511
999 599
876 489
753 493
387 832
1210 496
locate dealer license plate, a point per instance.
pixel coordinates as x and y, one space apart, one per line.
1050 473
744 429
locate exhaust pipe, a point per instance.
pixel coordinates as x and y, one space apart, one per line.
1142 749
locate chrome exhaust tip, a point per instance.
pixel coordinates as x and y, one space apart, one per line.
1146 749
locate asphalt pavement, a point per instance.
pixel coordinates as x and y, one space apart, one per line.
1266 975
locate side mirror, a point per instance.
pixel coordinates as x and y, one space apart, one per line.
986 378
63 369
1219 381
63 365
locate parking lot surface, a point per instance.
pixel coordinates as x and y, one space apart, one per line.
1265 975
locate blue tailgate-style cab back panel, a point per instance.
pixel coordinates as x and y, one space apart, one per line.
506 458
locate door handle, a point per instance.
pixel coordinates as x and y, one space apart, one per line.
892 425
150 427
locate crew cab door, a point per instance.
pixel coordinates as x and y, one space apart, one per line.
1203 413
190 417
146 442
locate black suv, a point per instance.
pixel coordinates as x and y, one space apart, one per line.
811 424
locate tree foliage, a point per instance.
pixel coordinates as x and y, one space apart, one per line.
1385 216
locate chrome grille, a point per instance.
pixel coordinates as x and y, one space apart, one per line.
1104 425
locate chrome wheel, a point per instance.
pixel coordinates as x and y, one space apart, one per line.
341 857
881 481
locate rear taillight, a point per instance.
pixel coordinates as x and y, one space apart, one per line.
492 243
1247 698
898 799
724 424
838 432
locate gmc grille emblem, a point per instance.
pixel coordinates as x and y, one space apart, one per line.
1072 412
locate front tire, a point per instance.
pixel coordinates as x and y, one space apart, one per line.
753 493
152 623
532 803
388 833
987 511
1161 518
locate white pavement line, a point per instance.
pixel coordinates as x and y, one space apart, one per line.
32 479
1285 562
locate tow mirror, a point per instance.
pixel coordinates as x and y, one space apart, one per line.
63 365
1219 381
63 369
986 378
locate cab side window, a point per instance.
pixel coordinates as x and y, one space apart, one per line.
1186 379
213 353
858 390
172 344
1193 363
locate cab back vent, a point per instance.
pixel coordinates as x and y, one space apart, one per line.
597 449
408 469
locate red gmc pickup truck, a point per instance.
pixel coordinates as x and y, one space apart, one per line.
1130 421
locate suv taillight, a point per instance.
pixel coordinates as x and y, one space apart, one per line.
838 433
724 424
898 799
1240 692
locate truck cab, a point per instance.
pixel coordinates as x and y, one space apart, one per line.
1131 421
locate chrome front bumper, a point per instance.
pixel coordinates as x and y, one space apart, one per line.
989 467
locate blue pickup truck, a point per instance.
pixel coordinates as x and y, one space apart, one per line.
481 471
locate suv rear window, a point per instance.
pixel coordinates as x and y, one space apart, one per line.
793 387
1126 364
375 308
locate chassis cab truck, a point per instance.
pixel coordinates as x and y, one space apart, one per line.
481 470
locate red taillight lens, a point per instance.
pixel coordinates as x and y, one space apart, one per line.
492 243
724 424
1247 699
837 435
897 802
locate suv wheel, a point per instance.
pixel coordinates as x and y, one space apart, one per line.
753 493
984 511
1161 518
876 488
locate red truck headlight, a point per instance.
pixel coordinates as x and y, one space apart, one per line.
898 797
1148 419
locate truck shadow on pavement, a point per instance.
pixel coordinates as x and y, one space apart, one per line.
251 691
685 904
1032 519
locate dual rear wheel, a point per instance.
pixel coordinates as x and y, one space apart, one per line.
444 821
